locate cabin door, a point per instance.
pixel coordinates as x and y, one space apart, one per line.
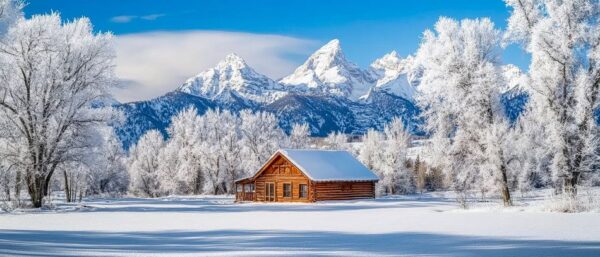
270 192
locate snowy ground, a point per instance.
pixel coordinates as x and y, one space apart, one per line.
430 225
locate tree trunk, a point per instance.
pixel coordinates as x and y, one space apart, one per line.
67 189
198 183
35 192
570 184
18 187
7 192
504 187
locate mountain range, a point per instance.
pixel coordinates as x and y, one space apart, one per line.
327 92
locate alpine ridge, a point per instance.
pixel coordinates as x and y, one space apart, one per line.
327 92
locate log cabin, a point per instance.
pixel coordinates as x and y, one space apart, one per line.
293 175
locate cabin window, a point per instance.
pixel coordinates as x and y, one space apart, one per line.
238 188
249 188
287 190
303 191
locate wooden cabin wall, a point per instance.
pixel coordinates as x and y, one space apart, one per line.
282 171
344 190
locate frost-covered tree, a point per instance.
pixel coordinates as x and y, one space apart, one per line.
563 38
51 73
74 180
144 164
336 141
460 96
108 166
299 136
532 157
396 177
261 137
180 167
11 11
8 180
97 170
370 153
231 150
386 154
220 150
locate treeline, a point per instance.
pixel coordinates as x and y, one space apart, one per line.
206 153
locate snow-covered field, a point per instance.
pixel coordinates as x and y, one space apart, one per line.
428 225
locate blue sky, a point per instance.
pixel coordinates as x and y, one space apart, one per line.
366 29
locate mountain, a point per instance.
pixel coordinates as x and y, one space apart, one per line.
393 75
515 78
327 72
322 114
514 94
233 81
142 116
327 92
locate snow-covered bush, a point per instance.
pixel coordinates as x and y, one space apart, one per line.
587 201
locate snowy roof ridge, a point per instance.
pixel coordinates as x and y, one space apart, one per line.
328 165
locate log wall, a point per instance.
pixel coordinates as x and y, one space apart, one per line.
344 190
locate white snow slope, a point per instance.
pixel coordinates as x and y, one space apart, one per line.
394 75
327 71
212 226
233 75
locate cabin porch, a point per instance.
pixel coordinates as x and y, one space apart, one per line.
245 190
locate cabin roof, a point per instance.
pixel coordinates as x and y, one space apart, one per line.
328 165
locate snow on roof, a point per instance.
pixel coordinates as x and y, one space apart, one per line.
329 165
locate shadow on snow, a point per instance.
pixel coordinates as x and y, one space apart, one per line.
187 205
261 242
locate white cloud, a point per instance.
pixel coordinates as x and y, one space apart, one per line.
130 18
122 19
152 17
151 64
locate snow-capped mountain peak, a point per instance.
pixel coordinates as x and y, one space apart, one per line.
393 75
390 61
232 76
327 71
515 79
327 56
232 61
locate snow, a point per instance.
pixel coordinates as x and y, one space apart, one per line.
393 75
233 75
329 165
514 77
427 225
327 71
